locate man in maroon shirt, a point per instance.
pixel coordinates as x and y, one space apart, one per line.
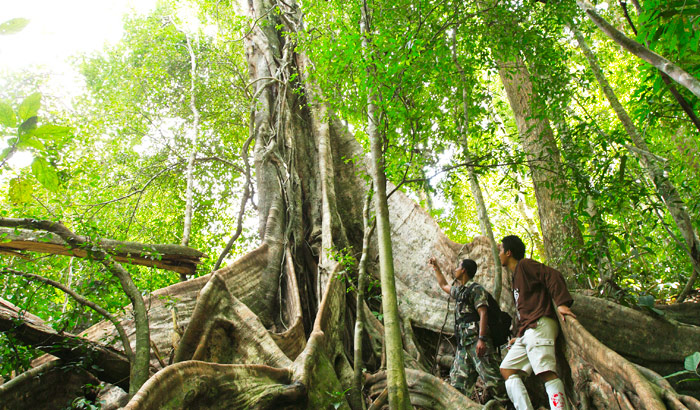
535 285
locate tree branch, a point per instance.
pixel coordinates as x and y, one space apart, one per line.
170 257
140 365
112 366
664 65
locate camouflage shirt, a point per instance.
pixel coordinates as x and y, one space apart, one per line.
467 304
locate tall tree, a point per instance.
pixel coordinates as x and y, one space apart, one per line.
477 194
396 376
194 142
537 139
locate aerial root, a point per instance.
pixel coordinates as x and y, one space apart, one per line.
218 386
632 389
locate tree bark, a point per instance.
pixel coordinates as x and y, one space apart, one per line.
362 280
559 228
530 226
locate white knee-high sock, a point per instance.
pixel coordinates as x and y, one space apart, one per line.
556 393
518 393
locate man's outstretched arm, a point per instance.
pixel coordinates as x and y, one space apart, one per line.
442 282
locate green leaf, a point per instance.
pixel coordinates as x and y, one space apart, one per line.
45 173
683 3
685 11
50 131
20 191
30 106
620 243
29 142
657 34
7 116
13 26
692 361
646 301
4 153
28 125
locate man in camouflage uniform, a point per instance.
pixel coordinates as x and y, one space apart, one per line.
475 353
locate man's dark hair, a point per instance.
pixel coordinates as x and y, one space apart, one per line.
515 245
469 266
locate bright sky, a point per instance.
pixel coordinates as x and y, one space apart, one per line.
58 29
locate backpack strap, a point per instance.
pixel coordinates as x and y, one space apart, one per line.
471 317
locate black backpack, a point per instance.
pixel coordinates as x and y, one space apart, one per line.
499 321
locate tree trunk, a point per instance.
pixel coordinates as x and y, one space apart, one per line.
530 226
560 231
362 280
170 257
256 334
193 137
396 376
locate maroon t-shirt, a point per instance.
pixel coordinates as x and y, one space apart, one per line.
534 287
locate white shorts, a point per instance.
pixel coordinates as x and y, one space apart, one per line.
534 350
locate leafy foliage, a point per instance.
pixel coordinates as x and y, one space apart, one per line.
114 170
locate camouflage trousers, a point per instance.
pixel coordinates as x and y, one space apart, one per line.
467 366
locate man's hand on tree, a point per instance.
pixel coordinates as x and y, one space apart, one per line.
565 311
